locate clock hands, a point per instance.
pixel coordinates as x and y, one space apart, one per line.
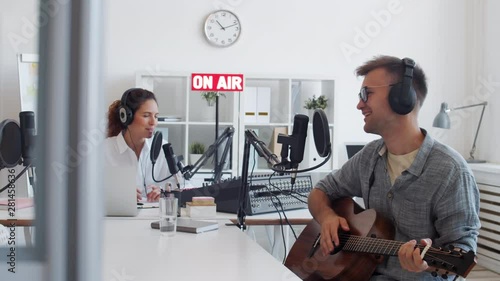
224 27
230 26
221 27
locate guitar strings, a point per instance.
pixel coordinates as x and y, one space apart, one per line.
371 245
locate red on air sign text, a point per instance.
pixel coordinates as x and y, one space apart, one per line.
217 82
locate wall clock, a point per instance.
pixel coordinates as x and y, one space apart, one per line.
222 28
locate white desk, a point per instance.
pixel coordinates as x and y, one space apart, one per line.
134 251
278 248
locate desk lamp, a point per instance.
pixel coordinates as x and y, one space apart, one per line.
442 120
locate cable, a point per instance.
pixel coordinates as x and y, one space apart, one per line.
153 175
303 170
279 213
15 179
281 205
281 223
291 193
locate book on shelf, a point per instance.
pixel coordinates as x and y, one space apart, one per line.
257 105
274 146
169 118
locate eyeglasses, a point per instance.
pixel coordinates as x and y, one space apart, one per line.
363 93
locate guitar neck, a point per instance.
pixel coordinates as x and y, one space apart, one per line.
370 245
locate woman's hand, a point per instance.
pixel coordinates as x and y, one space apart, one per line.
153 193
139 194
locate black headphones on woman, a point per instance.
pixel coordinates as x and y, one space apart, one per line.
125 113
402 96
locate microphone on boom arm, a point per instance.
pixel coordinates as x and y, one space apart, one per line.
296 143
174 162
27 125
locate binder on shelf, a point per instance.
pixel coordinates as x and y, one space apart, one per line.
263 104
250 105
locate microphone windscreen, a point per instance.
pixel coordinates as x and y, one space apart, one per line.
10 143
156 146
321 133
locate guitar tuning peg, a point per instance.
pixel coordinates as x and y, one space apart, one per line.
444 276
434 274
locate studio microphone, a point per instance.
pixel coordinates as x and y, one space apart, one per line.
27 124
171 162
298 142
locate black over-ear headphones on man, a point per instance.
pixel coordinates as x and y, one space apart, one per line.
402 96
126 114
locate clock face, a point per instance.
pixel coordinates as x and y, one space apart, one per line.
222 28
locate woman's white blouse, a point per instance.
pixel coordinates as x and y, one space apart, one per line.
117 152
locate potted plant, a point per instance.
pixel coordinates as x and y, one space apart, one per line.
210 97
196 150
313 103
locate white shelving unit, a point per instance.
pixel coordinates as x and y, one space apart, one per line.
197 119
287 98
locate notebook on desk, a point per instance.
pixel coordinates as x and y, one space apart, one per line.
120 191
191 226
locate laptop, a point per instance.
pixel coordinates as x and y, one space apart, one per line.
120 191
353 148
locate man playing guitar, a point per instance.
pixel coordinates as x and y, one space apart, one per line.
425 188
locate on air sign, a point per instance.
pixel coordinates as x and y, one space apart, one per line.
216 82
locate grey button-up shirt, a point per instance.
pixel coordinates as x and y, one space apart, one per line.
436 197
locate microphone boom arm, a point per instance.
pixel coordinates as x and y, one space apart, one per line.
251 139
192 169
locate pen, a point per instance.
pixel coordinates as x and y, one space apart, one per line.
147 207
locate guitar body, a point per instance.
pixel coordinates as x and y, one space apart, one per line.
340 265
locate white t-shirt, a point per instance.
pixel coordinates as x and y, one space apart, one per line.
117 152
399 163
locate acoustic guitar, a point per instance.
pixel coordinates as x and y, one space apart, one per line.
368 242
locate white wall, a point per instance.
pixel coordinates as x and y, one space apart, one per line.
298 37
18 34
487 142
294 37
